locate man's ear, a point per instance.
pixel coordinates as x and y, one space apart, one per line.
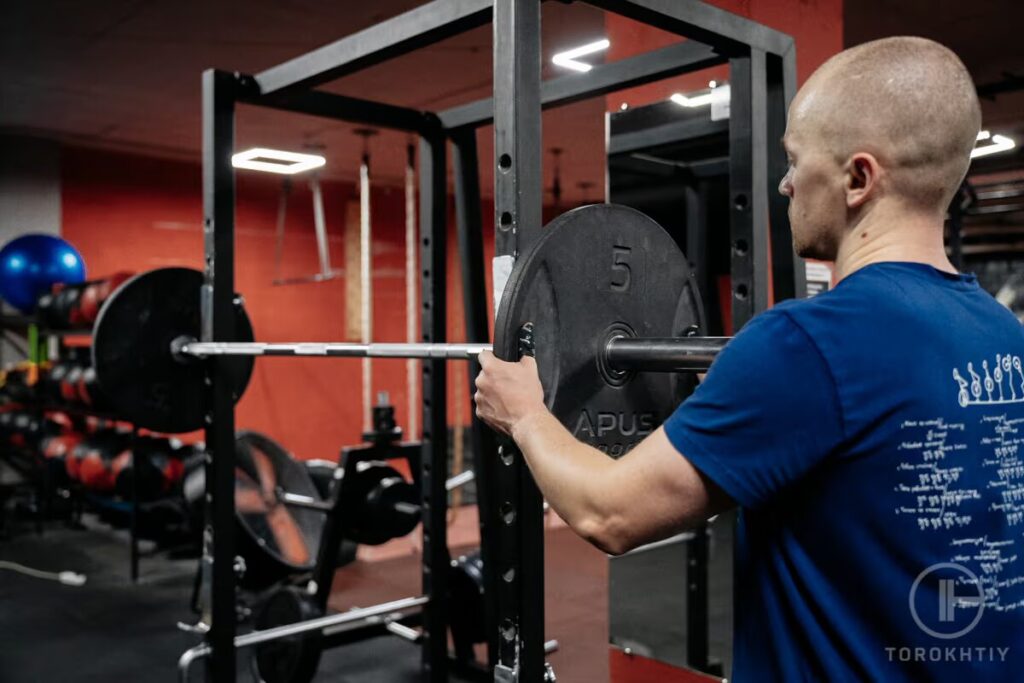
862 175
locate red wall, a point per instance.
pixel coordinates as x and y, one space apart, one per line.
136 213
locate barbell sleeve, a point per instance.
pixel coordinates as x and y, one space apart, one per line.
670 354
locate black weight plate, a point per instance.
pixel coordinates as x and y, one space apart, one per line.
598 272
131 351
371 493
293 659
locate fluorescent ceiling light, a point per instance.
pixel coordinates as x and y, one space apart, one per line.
276 161
999 143
695 101
568 58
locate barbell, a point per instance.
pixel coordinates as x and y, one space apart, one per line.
685 354
608 295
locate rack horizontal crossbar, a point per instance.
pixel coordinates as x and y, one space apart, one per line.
666 134
703 22
669 61
342 107
424 25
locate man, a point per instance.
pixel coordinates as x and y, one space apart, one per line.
869 435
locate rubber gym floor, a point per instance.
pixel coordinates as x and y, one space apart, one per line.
113 630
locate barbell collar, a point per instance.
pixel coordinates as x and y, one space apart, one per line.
670 354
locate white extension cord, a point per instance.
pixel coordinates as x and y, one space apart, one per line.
66 578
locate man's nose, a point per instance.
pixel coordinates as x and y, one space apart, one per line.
786 184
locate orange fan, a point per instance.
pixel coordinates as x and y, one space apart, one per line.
260 498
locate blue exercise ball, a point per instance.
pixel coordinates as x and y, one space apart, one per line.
31 264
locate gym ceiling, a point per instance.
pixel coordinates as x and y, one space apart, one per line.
124 74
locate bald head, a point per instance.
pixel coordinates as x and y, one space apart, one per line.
909 102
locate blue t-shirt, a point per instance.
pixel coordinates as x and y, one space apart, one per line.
872 437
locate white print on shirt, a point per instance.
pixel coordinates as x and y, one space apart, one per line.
933 488
1002 456
929 481
993 559
1005 384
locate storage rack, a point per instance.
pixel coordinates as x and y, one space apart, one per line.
38 336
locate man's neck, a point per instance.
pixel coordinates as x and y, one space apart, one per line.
893 235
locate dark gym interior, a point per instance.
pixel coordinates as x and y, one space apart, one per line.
255 257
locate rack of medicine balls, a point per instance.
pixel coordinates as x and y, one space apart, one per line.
75 452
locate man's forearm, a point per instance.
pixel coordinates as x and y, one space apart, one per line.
649 493
571 475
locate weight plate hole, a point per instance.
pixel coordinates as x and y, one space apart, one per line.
613 376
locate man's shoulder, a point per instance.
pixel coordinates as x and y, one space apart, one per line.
789 325
829 319
896 292
868 294
839 306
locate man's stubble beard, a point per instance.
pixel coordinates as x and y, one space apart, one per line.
819 246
